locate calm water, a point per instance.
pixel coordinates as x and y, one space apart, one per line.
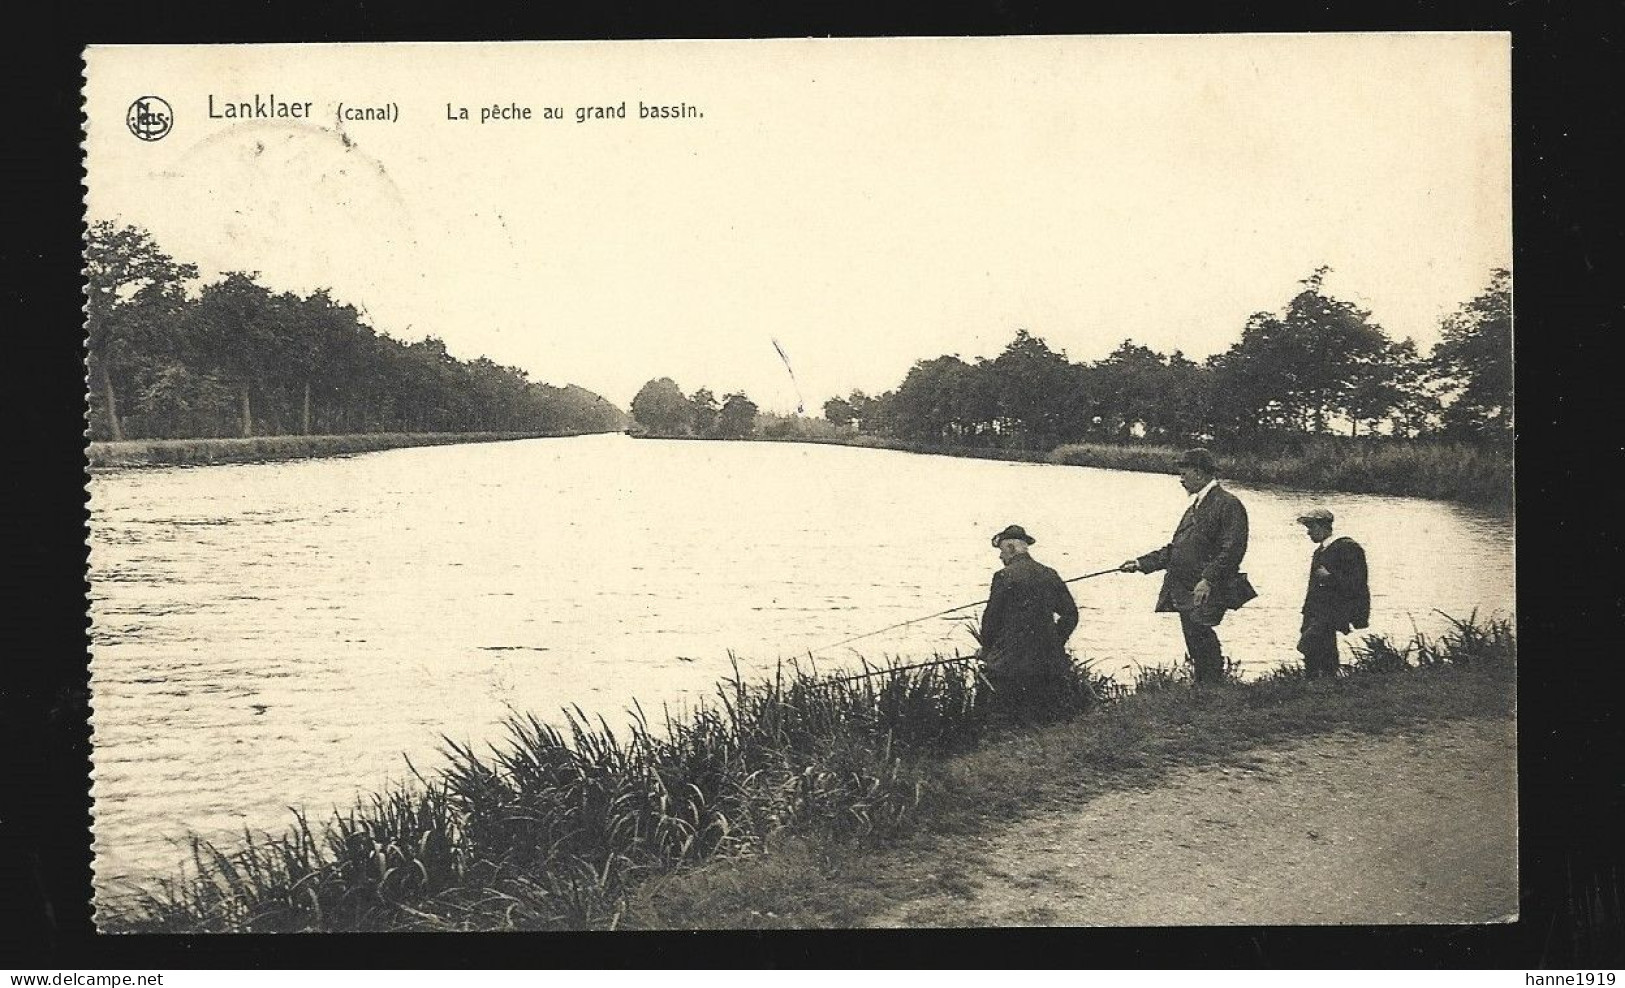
276 635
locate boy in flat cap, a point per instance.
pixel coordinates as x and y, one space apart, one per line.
1201 563
1339 594
1030 613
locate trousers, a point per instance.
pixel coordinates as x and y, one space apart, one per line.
1318 643
1202 645
1034 696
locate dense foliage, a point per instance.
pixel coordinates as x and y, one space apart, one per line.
170 358
1318 366
661 409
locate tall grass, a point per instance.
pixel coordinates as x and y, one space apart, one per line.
1468 640
547 829
551 828
199 452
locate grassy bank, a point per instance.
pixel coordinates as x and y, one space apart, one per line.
198 452
1441 471
809 880
712 816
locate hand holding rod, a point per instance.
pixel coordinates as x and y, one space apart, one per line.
943 613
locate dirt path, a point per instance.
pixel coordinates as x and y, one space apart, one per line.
1412 827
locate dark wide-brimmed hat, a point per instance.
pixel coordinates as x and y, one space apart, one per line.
1014 532
1199 458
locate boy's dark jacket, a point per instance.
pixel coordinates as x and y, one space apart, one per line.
1343 599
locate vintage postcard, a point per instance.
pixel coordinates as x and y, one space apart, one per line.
896 482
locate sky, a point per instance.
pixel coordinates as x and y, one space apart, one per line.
866 203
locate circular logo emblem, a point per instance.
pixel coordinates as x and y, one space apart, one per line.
150 118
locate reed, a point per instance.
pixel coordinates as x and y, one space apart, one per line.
554 826
548 828
1468 640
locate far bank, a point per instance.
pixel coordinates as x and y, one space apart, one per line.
1441 471
202 452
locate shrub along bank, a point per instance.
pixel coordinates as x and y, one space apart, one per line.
581 827
1443 471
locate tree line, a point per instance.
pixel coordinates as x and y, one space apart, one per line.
171 359
1320 365
661 409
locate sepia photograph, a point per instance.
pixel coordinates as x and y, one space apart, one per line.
860 483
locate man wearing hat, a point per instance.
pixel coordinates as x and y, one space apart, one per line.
1201 563
1029 615
1339 595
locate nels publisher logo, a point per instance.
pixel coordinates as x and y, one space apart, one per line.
150 118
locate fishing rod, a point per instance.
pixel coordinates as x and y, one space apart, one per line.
951 610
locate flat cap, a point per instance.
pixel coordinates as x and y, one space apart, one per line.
1315 514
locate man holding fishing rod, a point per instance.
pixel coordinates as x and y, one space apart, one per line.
1201 563
1029 615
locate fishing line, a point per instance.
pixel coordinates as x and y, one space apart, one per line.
951 610
917 665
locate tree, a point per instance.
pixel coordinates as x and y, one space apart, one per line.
1392 386
176 402
237 325
1029 381
1183 408
579 410
737 418
661 408
930 403
320 352
704 404
1130 388
839 412
1297 369
1473 362
863 409
1413 402
134 291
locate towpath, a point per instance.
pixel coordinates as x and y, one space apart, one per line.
1415 826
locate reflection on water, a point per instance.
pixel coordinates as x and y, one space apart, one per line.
276 635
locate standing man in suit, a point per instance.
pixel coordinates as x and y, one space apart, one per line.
1201 563
1030 613
1339 594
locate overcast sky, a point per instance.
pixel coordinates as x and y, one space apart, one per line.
866 203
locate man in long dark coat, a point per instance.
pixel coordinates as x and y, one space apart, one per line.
1201 563
1339 596
1030 614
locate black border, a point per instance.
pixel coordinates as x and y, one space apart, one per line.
1568 229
